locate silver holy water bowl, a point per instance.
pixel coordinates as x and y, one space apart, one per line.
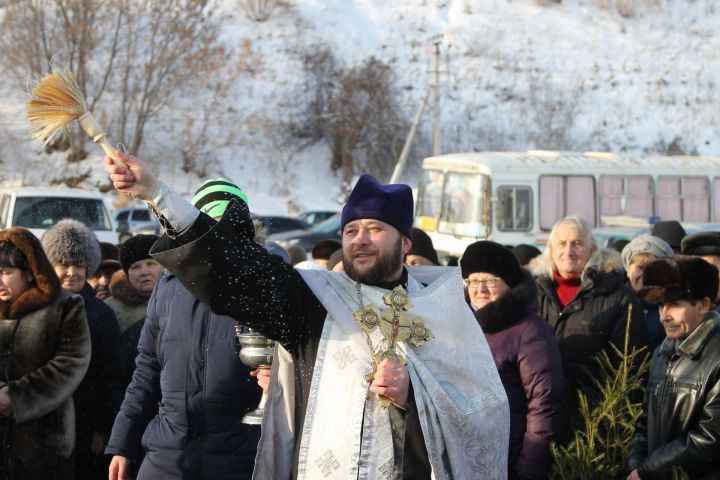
256 351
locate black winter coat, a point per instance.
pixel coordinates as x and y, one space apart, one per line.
527 357
596 317
188 362
93 404
680 423
123 366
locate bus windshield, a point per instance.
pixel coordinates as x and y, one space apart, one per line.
453 203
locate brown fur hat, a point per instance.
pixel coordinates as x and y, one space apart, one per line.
679 278
46 284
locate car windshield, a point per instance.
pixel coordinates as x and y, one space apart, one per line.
330 225
44 212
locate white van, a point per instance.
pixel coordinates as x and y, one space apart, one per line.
39 208
516 197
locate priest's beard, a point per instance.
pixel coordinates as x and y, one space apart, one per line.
388 263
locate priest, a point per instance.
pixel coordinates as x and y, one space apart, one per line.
383 373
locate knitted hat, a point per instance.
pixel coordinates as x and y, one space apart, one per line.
679 278
645 244
701 243
491 257
214 196
392 204
109 255
70 242
524 253
422 245
671 231
135 249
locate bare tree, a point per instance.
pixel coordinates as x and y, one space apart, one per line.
133 60
81 35
553 111
355 111
172 48
257 10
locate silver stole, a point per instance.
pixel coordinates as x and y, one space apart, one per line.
460 400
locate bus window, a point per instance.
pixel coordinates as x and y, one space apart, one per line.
626 196
514 208
562 195
431 194
684 199
462 205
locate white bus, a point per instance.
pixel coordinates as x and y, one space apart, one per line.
515 198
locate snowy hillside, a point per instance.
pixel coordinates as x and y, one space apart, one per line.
521 74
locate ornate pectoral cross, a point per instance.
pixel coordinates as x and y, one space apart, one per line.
395 326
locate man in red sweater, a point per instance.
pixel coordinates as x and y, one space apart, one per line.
582 293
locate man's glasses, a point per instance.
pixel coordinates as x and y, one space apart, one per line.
488 282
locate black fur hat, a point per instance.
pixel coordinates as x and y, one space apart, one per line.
679 278
491 257
701 243
422 245
110 256
135 249
671 231
71 242
524 253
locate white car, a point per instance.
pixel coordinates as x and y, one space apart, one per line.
135 220
39 208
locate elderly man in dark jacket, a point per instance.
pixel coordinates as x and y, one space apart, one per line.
504 298
188 362
680 423
75 254
583 294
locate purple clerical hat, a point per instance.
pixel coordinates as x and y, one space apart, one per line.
392 204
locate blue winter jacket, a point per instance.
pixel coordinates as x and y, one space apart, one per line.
188 393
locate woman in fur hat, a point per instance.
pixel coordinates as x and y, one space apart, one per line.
74 252
525 350
46 344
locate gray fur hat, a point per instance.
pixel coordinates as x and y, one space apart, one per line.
71 242
645 244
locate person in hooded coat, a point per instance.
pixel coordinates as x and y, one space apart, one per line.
504 298
75 254
46 345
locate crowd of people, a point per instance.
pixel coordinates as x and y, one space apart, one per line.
121 362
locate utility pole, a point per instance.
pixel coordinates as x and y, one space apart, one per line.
433 88
436 100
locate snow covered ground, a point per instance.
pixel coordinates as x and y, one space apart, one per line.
521 74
